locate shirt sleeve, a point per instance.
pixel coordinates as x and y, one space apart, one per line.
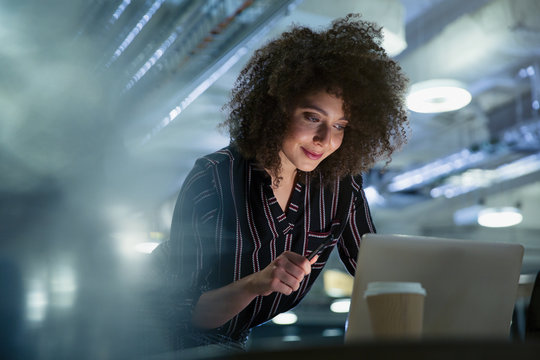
191 250
359 222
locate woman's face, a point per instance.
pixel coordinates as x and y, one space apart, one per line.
316 131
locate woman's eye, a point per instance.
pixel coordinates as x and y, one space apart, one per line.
311 118
340 127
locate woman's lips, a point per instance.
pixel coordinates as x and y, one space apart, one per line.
312 156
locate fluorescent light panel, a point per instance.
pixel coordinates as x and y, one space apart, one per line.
152 61
510 171
119 10
135 31
433 170
201 88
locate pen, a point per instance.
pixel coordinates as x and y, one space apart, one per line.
320 247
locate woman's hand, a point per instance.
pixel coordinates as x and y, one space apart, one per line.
282 275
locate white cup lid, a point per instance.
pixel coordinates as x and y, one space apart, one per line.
393 287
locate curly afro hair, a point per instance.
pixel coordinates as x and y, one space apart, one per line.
345 60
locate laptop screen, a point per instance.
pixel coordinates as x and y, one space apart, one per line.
471 286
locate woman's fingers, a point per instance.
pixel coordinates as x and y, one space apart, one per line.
298 260
284 286
288 265
288 271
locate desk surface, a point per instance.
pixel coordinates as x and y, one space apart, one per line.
440 350
421 350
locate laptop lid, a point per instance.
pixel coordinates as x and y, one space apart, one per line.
471 286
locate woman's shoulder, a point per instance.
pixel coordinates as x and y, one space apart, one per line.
352 182
211 172
220 159
356 181
349 185
343 185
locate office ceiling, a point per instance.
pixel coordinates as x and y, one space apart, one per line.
105 105
176 73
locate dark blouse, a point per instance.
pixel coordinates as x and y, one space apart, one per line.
227 224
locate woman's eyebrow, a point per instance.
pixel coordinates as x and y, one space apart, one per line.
316 108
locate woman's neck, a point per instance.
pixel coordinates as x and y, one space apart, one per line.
283 189
287 173
284 179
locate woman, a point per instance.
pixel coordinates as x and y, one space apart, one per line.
309 113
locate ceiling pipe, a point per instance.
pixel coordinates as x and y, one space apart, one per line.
493 26
523 135
222 45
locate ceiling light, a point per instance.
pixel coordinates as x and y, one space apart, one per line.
484 178
499 217
436 169
146 247
285 318
206 80
36 305
337 283
119 10
341 305
290 338
527 278
387 14
135 31
437 95
332 332
373 196
393 42
468 215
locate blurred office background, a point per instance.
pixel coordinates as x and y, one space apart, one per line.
106 104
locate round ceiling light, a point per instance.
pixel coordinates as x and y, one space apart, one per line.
437 95
340 306
285 318
500 217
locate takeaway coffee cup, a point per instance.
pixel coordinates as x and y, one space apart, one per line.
396 309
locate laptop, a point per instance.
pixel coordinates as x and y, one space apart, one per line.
471 285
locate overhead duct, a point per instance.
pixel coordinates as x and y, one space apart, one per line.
499 34
389 14
493 42
512 152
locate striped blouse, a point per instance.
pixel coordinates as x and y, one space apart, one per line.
228 224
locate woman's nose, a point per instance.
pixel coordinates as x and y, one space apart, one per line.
322 136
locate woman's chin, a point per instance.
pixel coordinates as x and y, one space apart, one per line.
307 168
